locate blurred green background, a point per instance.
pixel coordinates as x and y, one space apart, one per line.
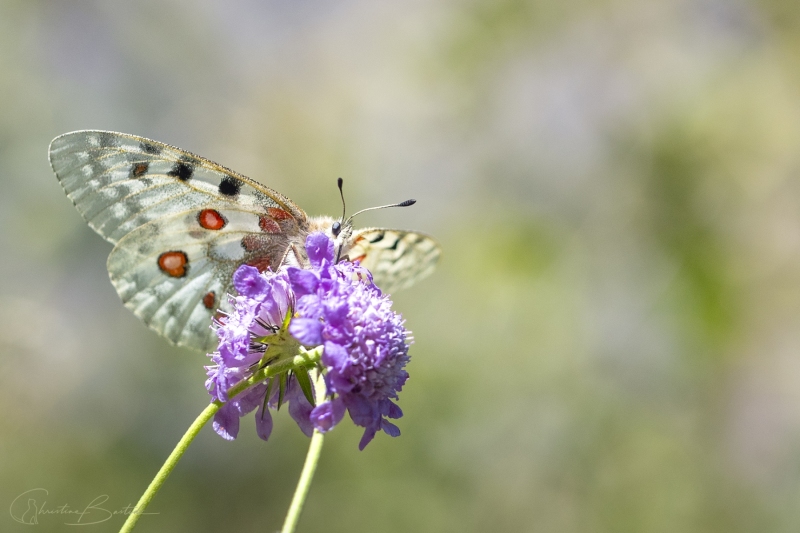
610 344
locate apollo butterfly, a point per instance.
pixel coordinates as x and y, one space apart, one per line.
182 224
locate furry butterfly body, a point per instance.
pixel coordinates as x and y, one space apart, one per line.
181 225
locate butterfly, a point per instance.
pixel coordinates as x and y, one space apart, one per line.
182 224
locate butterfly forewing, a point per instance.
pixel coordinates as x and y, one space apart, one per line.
396 258
119 182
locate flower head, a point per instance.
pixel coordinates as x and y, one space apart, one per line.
263 302
333 305
365 343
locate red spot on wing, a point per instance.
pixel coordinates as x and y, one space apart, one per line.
173 263
211 219
278 214
261 263
139 170
359 258
268 225
209 300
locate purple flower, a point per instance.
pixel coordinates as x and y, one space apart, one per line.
365 343
333 305
264 300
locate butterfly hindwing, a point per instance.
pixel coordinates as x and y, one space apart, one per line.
119 182
174 272
396 258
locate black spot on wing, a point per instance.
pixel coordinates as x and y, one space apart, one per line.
149 148
182 170
106 140
378 238
394 244
229 186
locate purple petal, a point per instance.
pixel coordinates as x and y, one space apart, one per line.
234 348
390 429
336 315
326 415
271 312
318 247
390 409
306 330
326 274
339 382
250 399
369 434
226 422
309 306
303 281
299 408
249 282
281 289
263 422
334 355
222 378
363 412
274 309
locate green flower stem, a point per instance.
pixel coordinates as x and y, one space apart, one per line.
310 466
306 358
170 463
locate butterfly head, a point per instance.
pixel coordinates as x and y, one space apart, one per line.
341 231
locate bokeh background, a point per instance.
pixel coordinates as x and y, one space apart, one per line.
610 344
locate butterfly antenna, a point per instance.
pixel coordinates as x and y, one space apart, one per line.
336 228
340 182
401 204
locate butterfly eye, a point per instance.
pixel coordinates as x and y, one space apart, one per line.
336 228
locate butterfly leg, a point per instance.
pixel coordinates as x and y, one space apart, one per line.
298 257
285 254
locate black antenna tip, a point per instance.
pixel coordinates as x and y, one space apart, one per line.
407 203
339 182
